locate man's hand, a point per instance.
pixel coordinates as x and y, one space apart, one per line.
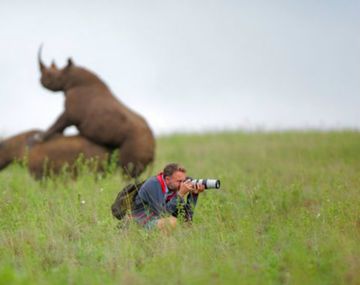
187 187
198 188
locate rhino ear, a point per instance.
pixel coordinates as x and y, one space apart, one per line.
70 62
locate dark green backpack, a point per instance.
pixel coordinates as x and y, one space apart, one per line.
125 200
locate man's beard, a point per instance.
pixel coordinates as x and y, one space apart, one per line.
172 188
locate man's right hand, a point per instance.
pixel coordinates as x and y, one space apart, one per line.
185 188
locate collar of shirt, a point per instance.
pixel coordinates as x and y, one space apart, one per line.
166 188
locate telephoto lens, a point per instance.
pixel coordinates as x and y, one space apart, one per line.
208 183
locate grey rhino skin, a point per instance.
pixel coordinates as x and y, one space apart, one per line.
56 152
99 116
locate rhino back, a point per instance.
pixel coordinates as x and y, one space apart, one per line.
100 116
63 150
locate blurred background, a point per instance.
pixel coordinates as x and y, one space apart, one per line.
189 66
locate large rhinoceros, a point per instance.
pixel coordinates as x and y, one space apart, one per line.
51 156
98 115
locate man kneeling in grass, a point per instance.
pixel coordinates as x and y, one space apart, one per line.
161 199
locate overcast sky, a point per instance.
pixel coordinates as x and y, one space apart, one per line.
189 65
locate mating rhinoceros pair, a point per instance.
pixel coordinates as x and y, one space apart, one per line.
104 124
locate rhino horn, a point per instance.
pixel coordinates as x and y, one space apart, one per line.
41 65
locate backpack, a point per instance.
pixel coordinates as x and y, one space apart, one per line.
125 200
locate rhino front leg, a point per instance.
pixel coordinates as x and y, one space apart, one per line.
58 127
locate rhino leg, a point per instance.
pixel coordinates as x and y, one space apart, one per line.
58 127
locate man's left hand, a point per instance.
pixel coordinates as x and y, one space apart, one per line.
198 188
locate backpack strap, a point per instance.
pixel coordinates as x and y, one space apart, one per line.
162 182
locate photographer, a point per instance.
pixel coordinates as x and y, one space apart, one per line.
161 199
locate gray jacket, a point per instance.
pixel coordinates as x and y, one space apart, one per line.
151 200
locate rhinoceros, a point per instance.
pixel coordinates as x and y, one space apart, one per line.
52 155
98 115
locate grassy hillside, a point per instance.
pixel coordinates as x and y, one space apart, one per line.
288 213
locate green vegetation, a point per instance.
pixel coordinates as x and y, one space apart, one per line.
288 213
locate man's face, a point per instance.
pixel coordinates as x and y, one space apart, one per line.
174 181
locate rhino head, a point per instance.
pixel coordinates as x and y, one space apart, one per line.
56 79
5 155
14 148
52 77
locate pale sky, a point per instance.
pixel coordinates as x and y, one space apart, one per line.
189 65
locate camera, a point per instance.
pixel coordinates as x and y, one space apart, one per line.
208 183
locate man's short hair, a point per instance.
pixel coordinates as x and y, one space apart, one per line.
171 168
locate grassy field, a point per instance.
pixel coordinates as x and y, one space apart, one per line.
288 213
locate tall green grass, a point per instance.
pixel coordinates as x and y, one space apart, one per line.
288 213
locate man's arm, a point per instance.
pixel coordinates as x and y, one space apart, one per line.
192 199
173 205
152 196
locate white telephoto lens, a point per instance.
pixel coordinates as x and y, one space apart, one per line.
213 183
208 183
